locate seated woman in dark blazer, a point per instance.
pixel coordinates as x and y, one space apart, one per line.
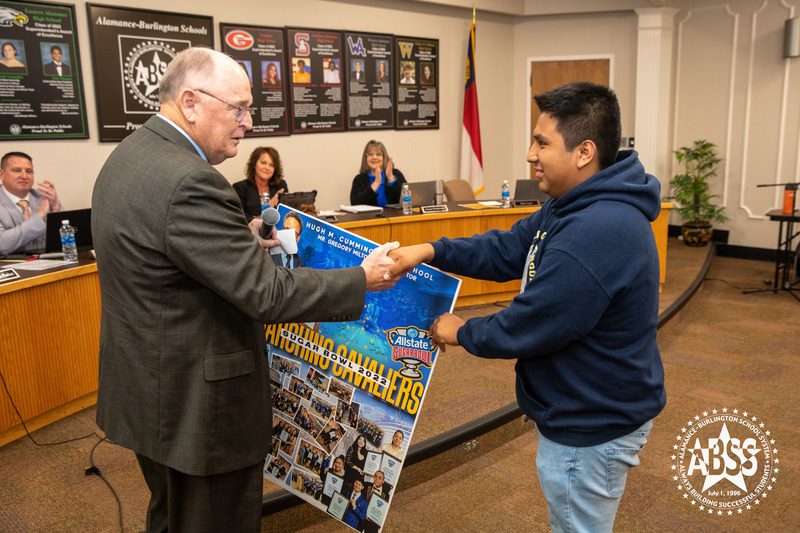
263 173
378 183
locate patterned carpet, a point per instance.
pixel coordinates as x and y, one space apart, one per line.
724 349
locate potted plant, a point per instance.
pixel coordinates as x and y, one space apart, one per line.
691 192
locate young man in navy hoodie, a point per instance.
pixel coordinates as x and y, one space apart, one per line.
583 328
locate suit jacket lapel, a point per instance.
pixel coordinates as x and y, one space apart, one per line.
12 208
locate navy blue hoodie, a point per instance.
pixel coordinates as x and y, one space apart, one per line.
583 329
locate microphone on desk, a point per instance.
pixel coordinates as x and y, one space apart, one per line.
269 217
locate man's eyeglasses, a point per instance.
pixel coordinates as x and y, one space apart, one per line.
241 109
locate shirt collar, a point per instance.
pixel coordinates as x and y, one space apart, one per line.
196 147
14 199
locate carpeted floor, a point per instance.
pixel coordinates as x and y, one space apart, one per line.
724 349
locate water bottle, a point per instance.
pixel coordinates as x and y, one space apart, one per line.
68 241
264 201
505 195
406 194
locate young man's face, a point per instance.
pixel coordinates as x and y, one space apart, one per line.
556 167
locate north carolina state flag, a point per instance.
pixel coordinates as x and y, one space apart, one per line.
471 157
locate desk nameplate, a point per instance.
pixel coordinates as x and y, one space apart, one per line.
8 274
434 209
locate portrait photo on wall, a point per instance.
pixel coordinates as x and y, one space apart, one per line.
332 71
408 71
271 73
427 76
357 72
381 72
56 59
301 70
14 60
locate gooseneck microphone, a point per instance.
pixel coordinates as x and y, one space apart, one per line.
269 217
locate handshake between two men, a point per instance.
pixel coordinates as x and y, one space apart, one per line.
384 267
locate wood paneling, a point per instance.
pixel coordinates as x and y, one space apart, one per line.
49 338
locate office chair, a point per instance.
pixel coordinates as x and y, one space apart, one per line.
458 191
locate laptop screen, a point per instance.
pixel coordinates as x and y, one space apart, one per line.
422 192
80 219
527 192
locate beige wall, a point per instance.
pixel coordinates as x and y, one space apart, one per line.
572 37
734 88
731 86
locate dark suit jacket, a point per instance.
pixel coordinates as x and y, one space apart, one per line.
248 195
370 487
50 69
185 291
294 259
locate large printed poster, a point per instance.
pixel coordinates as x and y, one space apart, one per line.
131 49
260 52
316 80
41 89
370 92
417 82
346 396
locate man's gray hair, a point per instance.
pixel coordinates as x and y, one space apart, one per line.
192 67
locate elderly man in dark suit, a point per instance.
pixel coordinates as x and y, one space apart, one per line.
186 288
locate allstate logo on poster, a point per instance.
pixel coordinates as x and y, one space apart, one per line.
412 347
144 64
725 463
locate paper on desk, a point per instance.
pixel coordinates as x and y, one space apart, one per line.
478 205
288 240
360 208
490 203
38 264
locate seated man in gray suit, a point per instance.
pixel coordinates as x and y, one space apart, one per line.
23 209
186 288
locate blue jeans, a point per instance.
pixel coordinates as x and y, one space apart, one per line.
583 486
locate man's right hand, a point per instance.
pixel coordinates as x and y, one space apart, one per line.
255 228
376 265
408 258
